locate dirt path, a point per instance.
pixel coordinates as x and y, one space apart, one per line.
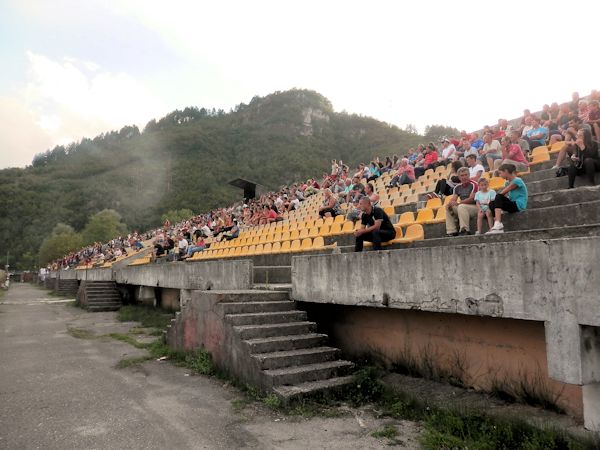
61 392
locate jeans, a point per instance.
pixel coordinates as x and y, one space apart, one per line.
376 237
399 180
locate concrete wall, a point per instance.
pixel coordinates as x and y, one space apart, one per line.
235 274
552 281
67 274
481 352
105 274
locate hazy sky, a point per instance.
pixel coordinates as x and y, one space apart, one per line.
77 68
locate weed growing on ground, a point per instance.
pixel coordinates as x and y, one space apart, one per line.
389 431
133 361
148 316
272 401
127 338
80 333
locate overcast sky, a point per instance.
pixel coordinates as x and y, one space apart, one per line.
73 68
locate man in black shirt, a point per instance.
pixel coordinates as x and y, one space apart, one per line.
377 227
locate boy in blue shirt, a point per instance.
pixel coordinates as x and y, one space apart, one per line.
511 198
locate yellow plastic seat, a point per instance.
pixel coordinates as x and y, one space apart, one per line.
339 219
540 150
413 233
306 244
413 198
294 234
406 218
434 203
295 247
540 158
557 147
440 216
334 230
244 250
424 215
268 248
251 250
276 248
389 210
259 249
314 232
347 227
285 247
303 233
276 237
497 183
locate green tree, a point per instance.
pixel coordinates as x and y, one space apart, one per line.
433 133
103 226
177 215
61 241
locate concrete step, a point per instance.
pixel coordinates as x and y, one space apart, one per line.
104 308
272 274
297 357
266 317
103 299
282 343
252 295
254 307
512 236
555 184
102 293
274 329
308 372
279 287
310 388
581 194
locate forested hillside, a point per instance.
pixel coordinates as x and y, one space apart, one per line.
183 160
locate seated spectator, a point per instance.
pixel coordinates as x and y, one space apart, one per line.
354 199
182 245
584 158
504 127
474 168
483 197
570 135
445 187
331 206
233 233
477 142
374 172
491 150
373 196
512 154
412 156
465 191
199 246
448 152
538 135
376 226
273 215
564 115
404 175
511 198
594 119
526 126
515 138
429 160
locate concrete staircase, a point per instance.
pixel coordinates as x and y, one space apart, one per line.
266 342
67 287
99 296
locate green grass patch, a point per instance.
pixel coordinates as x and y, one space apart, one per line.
148 316
272 401
81 333
389 431
128 339
133 361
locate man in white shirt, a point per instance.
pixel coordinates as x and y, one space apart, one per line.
448 151
475 169
491 151
182 245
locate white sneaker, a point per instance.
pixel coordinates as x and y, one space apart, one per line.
495 231
477 233
498 226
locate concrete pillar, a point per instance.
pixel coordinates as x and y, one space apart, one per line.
590 354
591 406
563 350
146 295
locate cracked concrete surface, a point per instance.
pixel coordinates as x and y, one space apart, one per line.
60 392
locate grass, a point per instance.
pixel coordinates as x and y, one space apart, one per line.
133 361
389 431
449 427
148 316
80 333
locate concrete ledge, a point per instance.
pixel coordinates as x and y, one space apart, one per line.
206 275
98 274
66 274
